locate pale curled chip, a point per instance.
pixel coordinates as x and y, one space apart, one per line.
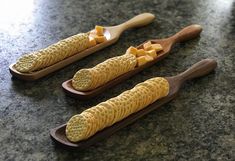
76 128
97 119
52 54
119 106
105 114
82 79
111 112
92 124
116 110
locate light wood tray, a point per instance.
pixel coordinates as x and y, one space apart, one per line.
111 33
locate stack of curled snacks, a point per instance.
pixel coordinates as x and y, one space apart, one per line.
61 50
105 114
52 54
88 79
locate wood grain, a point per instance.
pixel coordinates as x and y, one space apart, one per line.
111 33
185 34
199 69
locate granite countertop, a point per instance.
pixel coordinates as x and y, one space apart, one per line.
196 125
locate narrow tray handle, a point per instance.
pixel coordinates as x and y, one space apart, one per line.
137 21
187 33
199 69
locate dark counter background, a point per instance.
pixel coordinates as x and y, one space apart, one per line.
197 125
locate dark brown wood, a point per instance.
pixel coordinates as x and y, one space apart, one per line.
185 34
111 33
197 70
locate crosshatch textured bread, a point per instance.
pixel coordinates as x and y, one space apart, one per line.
53 53
88 79
105 114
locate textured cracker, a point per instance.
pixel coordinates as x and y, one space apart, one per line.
107 113
105 71
52 54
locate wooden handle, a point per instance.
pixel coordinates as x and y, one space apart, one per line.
199 69
137 21
187 33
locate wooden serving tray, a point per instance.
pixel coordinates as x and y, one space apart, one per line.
199 69
111 33
185 34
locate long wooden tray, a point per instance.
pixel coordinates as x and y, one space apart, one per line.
185 34
111 33
199 69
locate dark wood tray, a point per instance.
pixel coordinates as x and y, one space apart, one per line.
185 34
199 69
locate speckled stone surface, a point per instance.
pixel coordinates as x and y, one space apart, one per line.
197 125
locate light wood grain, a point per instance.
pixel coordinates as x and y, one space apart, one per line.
111 33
